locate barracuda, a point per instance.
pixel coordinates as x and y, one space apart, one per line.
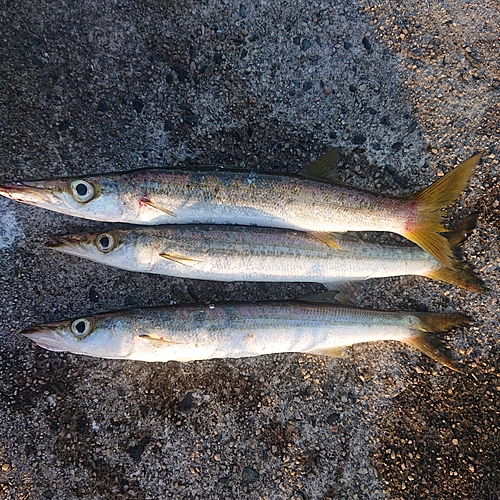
221 197
225 330
236 253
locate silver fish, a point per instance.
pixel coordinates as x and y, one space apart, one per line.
235 330
221 197
240 253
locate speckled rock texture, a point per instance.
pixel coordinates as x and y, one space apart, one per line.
407 89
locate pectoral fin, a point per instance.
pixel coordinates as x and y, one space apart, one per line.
149 203
178 258
325 168
163 341
327 238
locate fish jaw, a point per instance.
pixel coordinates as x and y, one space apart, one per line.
96 198
75 244
32 193
120 251
47 336
103 338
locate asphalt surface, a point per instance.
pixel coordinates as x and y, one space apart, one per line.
407 89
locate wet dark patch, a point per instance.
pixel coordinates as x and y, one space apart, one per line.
215 380
278 434
75 447
422 448
22 388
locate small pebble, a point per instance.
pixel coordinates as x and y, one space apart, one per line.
359 139
307 86
187 403
93 295
190 119
138 105
333 417
250 475
102 106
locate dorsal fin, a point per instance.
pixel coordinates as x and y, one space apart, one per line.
322 297
324 168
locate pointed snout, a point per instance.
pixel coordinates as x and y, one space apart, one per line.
58 242
44 336
28 192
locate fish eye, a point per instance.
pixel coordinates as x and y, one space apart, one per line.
83 191
80 328
105 242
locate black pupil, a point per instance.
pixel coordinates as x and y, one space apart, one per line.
80 327
81 189
104 241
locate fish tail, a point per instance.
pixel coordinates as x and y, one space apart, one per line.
424 339
426 223
459 275
461 231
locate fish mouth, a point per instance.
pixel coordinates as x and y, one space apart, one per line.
55 242
28 192
65 241
72 244
45 337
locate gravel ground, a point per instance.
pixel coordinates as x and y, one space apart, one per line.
407 89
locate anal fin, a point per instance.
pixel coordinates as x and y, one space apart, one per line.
345 291
333 352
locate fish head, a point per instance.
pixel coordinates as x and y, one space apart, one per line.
108 247
91 336
98 198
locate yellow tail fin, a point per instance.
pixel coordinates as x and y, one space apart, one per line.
427 222
425 341
460 275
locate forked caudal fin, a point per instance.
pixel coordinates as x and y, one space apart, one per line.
459 275
426 224
425 340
